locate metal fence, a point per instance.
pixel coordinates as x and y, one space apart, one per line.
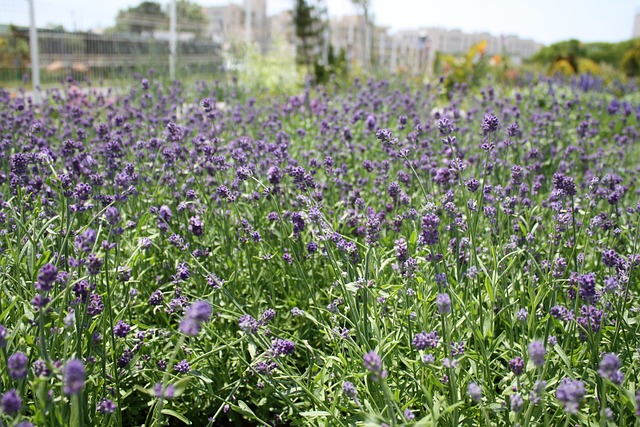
97 54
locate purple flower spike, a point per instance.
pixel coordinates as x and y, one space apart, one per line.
17 365
74 376
536 353
570 393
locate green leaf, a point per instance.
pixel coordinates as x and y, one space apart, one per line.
243 408
176 415
314 414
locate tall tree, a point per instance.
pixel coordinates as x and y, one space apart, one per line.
308 31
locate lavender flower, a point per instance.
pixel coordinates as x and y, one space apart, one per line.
182 367
429 234
164 392
46 278
196 226
121 329
443 301
106 406
156 298
425 340
490 123
373 363
516 402
266 317
248 324
85 241
349 389
570 393
11 402
17 365
199 311
536 353
195 315
516 365
610 368
474 392
74 375
409 415
3 336
444 126
40 368
282 347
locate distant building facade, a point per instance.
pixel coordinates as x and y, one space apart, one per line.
636 26
411 50
456 42
227 24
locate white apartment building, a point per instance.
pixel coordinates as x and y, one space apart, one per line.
410 50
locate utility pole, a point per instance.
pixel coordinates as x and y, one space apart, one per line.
173 38
247 22
33 47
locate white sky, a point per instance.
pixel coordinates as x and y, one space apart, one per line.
545 21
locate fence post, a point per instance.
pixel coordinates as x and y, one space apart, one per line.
173 39
33 47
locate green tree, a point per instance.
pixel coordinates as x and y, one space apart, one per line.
308 28
631 61
14 51
149 16
146 17
571 52
191 18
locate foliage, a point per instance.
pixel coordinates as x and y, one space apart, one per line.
146 17
631 60
336 66
14 48
273 72
191 18
573 56
470 68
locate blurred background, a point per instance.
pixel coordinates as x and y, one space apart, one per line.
280 42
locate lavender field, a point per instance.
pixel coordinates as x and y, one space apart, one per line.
382 254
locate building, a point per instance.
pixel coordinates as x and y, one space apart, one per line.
636 26
362 44
228 24
281 28
409 50
456 42
346 33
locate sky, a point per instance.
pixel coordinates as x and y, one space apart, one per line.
545 21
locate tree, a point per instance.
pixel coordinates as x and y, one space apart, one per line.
191 18
308 31
147 17
568 54
631 61
14 50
